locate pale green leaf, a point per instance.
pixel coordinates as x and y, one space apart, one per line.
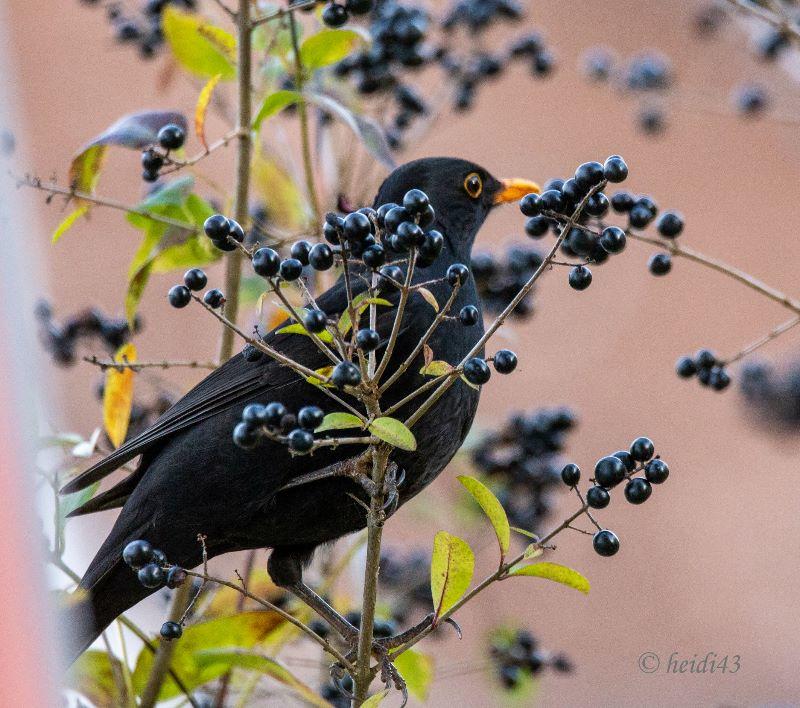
242 630
328 46
416 669
492 508
360 303
200 47
339 421
275 103
375 699
452 565
92 675
394 432
228 659
68 221
555 572
299 328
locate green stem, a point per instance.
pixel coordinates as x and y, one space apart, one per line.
305 137
233 266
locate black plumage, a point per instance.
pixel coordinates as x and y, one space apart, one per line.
193 480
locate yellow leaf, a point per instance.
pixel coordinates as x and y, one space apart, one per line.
202 108
492 508
68 221
436 368
452 565
118 396
288 208
375 699
325 371
555 572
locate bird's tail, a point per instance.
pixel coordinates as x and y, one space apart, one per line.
96 604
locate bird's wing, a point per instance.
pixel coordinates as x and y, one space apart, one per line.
235 381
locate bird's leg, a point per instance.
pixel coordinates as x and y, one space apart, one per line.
394 477
347 631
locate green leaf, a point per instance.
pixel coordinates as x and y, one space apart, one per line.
370 134
67 504
92 675
275 103
135 131
452 565
328 46
325 371
436 368
263 665
298 328
492 508
394 432
200 47
339 421
523 532
429 298
375 699
243 630
416 669
167 248
360 303
68 221
555 572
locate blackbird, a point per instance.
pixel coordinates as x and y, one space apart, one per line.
192 479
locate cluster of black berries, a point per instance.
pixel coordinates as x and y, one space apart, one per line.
154 571
275 420
62 339
559 201
522 461
170 137
398 34
516 655
335 14
472 71
772 395
645 74
709 370
476 369
477 16
610 471
499 281
143 27
194 280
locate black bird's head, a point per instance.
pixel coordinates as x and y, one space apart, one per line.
461 192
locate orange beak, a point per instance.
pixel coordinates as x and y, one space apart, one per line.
514 189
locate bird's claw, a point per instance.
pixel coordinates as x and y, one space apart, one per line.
394 478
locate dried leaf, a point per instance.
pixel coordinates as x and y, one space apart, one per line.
118 396
427 354
429 298
201 109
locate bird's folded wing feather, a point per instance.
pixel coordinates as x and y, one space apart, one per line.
235 381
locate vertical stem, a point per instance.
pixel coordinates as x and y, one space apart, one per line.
163 657
375 519
305 138
233 266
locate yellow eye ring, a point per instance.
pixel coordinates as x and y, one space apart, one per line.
473 185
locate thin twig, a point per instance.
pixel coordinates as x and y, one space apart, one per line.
52 189
136 366
398 317
777 332
283 12
778 20
176 165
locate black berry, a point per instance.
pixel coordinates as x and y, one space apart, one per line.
477 371
505 361
469 315
179 296
315 321
597 497
214 298
605 542
638 490
195 279
345 373
642 449
660 263
310 417
171 137
320 257
580 278
609 471
291 269
171 630
656 471
151 576
137 554
367 340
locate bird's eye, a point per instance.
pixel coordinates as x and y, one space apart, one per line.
473 185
